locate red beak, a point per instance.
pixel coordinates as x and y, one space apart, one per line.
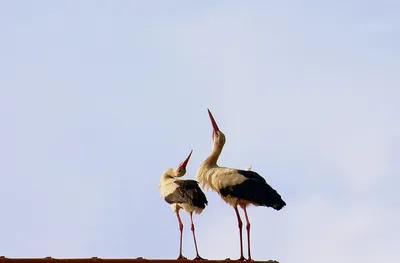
185 162
214 124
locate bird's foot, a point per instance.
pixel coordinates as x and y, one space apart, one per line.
241 259
181 257
199 258
249 259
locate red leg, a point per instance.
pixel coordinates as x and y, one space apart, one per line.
180 239
240 224
248 230
194 238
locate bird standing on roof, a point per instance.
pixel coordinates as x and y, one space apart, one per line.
182 194
236 187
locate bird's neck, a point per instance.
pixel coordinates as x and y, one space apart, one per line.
167 177
214 155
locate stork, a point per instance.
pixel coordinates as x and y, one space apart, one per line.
235 186
182 194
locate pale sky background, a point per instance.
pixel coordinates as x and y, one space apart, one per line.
98 98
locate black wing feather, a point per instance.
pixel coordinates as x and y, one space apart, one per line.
251 175
255 189
189 192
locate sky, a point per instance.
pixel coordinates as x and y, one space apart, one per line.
98 98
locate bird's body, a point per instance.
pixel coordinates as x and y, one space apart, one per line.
219 178
182 194
235 186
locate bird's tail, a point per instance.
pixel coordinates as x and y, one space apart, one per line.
278 205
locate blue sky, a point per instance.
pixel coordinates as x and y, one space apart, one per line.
98 98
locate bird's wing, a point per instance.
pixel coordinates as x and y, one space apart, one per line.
255 191
188 191
251 175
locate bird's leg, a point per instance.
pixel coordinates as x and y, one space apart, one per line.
180 239
240 233
194 238
248 230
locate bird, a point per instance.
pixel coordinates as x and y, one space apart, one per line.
183 194
236 187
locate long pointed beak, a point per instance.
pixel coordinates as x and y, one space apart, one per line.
214 124
185 162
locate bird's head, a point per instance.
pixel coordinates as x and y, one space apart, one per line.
217 135
181 169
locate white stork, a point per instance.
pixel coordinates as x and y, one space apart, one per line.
184 194
236 187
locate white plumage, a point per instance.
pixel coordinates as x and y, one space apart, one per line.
236 187
169 184
182 194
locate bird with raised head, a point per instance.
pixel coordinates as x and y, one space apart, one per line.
235 186
182 194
